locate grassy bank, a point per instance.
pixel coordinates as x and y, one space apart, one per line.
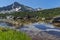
12 35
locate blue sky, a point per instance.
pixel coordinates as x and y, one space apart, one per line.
33 3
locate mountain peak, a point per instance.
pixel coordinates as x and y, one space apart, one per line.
16 3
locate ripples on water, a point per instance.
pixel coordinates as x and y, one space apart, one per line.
49 28
42 26
5 24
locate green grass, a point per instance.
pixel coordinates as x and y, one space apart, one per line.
13 35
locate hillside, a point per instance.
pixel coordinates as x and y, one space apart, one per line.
42 13
46 13
50 12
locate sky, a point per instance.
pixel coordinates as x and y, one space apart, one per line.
45 4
